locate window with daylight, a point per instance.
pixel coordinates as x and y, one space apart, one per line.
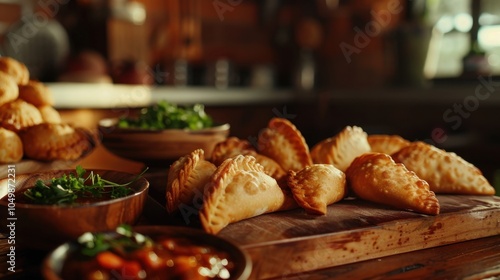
465 34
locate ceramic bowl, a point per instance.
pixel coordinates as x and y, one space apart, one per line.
159 146
46 226
54 262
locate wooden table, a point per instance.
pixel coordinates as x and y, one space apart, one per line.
478 258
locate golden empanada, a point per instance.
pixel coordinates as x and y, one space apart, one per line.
283 142
9 90
240 189
36 93
16 69
387 144
186 181
230 147
49 114
341 149
317 186
11 146
446 172
234 146
19 114
50 141
376 177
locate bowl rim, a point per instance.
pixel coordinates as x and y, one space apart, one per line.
108 125
144 187
245 269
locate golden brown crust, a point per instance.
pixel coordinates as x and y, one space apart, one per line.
376 177
9 90
239 189
229 148
283 142
36 93
49 141
16 69
341 149
19 114
445 172
317 186
186 180
11 146
387 144
49 114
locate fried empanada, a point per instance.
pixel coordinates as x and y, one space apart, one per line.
36 93
240 189
230 147
9 90
11 146
186 180
341 149
15 69
234 146
378 178
387 144
317 186
49 114
50 141
283 142
446 172
19 114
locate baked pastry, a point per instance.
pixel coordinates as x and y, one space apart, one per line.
317 186
376 177
36 93
446 172
8 89
283 142
388 144
19 114
230 147
49 114
11 146
186 181
50 141
16 69
240 189
234 146
341 149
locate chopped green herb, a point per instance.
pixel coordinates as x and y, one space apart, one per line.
69 187
164 115
123 240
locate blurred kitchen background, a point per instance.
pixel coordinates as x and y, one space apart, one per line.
424 69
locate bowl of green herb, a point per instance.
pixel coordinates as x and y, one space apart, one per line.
48 208
162 132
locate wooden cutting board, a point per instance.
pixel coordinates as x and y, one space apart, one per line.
292 242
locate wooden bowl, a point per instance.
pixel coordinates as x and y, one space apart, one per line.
159 146
45 226
55 260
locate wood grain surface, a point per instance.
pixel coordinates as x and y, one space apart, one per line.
292 242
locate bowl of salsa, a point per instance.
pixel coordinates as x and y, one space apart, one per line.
147 252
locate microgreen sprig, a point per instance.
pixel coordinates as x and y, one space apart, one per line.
69 187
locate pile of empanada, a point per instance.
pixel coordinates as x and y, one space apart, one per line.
30 127
241 181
